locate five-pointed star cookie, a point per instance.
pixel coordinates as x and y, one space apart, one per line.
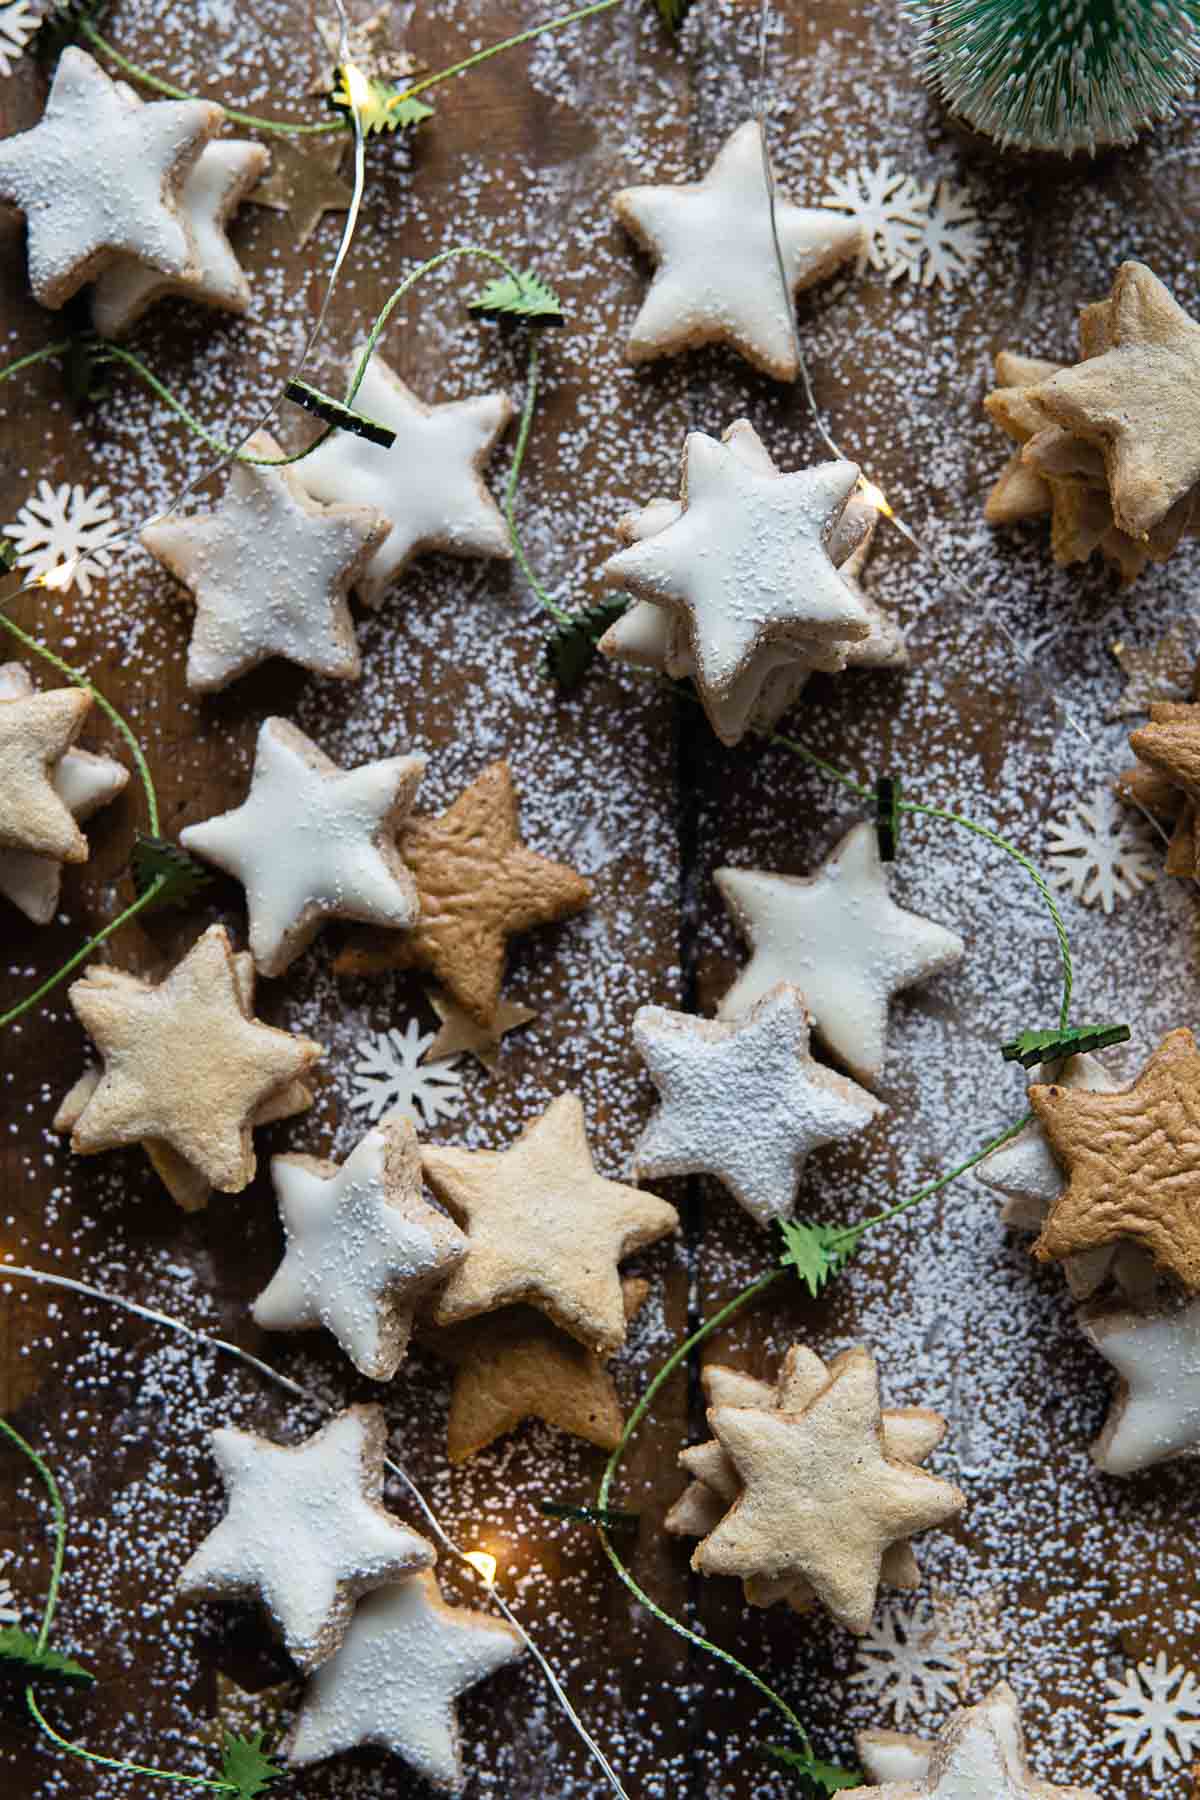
459 1035
306 1531
428 485
1133 1162
312 842
718 276
743 1100
406 1659
184 1063
892 1755
271 571
363 1248
543 1227
36 730
478 886
1155 1414
979 1755
1137 400
83 782
219 181
841 939
514 1365
747 562
305 183
97 177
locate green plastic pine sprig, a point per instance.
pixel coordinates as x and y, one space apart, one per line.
1030 1048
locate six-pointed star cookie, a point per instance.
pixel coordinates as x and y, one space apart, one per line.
184 1063
841 939
271 571
312 842
821 1498
1155 1414
544 1227
478 885
428 485
1133 1161
743 1100
406 1659
305 1530
218 183
980 1755
363 1248
97 177
36 730
747 562
718 276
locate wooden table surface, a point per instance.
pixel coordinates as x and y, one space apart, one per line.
1083 1573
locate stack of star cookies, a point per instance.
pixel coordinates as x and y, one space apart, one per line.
1165 781
1108 448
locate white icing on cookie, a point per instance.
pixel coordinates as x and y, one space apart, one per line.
1155 1413
893 1755
979 1755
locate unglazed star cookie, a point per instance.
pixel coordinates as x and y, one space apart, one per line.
407 1658
841 939
743 1100
544 1228
428 485
1133 1162
459 1035
97 178
514 1365
1155 1414
184 1064
1165 781
979 1755
312 842
821 1498
36 731
306 1532
270 571
717 278
83 782
363 1248
218 182
478 886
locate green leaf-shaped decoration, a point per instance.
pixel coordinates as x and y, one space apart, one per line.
526 297
813 1253
571 648
247 1766
18 1649
382 106
1033 1047
335 412
183 876
816 1777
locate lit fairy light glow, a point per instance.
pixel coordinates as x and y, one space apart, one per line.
484 1563
876 496
58 579
357 86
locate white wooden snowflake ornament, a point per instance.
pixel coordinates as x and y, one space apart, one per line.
841 939
1155 1414
979 1755
931 234
19 24
717 276
1100 852
908 1661
1154 1716
67 529
390 1077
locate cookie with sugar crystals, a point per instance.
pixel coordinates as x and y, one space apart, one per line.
980 1751
36 731
1155 1412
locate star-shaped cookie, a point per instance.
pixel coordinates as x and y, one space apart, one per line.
363 1248
407 1658
1155 1414
459 1035
219 181
1165 780
841 939
478 886
979 1755
36 731
97 177
821 1498
544 1228
83 782
718 277
305 183
305 1531
747 562
312 842
743 1100
270 571
184 1063
428 485
1133 1162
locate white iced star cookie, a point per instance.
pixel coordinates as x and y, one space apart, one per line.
305 1531
97 178
743 1100
429 485
1155 1414
718 278
218 182
892 1755
979 1755
312 842
270 571
841 938
363 1248
407 1658
84 783
747 562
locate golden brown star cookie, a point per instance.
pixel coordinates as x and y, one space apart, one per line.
35 732
478 886
459 1035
